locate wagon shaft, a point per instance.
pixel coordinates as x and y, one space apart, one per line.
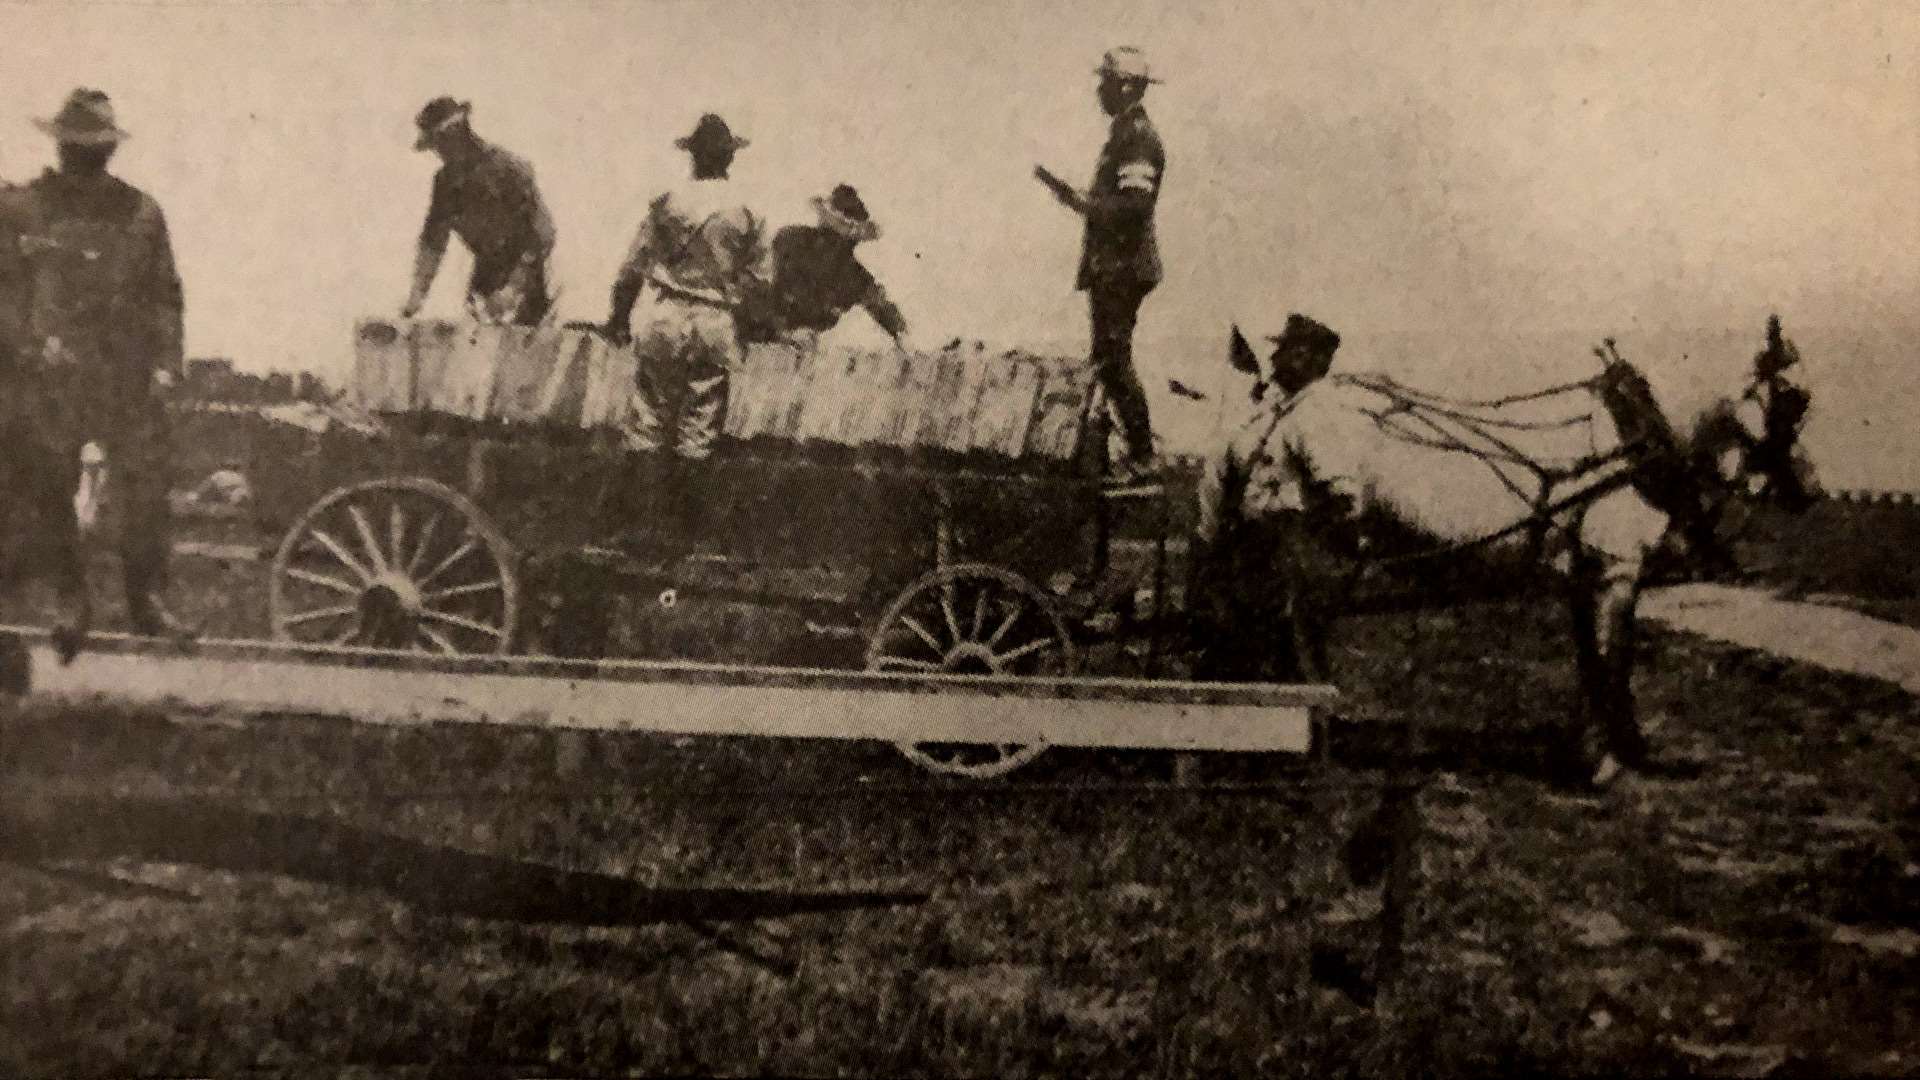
266 679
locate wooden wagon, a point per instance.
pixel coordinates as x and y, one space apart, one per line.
941 512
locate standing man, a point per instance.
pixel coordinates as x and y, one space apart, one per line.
95 311
1119 257
699 251
487 196
817 278
1269 503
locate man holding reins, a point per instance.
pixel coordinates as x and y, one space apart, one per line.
1261 504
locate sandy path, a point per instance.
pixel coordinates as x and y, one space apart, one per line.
1829 637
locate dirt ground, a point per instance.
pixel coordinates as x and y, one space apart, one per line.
211 894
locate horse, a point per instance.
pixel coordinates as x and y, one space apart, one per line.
1587 482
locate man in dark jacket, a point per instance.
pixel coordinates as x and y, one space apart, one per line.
1119 257
817 278
486 195
95 336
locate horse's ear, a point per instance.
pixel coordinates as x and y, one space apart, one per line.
1240 354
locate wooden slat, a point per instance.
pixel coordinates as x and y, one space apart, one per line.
1006 411
523 370
382 366
263 678
1058 410
562 397
1011 405
607 383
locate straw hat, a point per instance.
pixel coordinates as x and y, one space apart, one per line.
1127 64
846 214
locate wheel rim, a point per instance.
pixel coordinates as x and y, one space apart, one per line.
972 619
396 564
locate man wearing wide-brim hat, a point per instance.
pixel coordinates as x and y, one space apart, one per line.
94 325
695 255
1119 255
817 278
487 196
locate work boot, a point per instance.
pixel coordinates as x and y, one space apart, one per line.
73 618
149 617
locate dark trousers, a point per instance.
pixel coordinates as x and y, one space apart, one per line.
1262 599
534 302
1114 309
46 425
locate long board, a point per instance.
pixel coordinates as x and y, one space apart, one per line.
388 687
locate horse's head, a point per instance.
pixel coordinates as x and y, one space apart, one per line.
1629 400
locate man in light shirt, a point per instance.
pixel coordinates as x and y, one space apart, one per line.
698 252
1261 501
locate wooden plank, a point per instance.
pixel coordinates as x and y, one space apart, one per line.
523 369
382 366
860 390
1059 410
1007 409
678 698
759 390
456 366
982 377
948 374
562 398
607 382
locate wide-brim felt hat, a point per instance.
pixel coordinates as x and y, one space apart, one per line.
437 116
85 119
711 132
846 213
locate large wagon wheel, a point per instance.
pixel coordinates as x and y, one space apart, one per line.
972 619
399 563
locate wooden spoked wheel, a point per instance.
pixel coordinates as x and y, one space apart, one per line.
396 564
972 619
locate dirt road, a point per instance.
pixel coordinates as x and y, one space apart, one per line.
1829 637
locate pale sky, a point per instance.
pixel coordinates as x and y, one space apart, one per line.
1461 171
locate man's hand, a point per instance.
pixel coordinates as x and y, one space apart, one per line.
1063 191
163 379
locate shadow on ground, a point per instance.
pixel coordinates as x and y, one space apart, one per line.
434 878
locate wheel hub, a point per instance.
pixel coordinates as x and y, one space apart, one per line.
970 658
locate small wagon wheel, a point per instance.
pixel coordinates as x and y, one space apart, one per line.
399 563
972 619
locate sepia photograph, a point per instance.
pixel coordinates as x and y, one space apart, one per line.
869 538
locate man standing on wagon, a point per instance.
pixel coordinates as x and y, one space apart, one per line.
487 196
1119 256
94 327
817 277
699 251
